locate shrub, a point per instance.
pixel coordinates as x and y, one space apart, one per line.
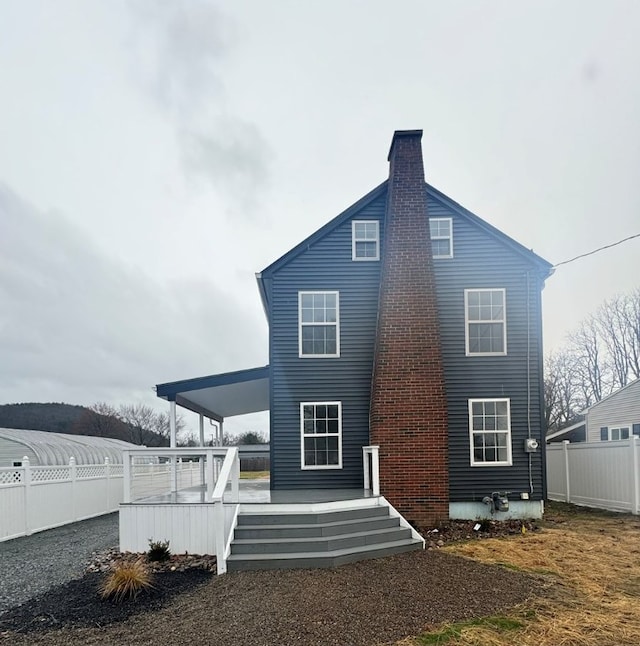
158 551
126 581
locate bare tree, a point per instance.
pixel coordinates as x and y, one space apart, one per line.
562 404
591 366
146 426
101 420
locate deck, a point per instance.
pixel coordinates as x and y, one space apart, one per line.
257 492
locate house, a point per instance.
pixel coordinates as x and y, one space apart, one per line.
615 417
409 324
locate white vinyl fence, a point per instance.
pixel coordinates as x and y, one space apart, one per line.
36 498
605 475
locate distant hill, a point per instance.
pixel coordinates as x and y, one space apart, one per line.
77 420
56 418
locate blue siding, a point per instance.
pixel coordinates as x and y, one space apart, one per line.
480 260
325 266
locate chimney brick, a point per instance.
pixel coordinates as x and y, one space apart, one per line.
408 416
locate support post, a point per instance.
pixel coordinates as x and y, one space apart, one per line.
567 475
375 468
235 478
210 476
218 520
173 444
201 458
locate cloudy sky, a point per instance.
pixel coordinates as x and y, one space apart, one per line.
155 154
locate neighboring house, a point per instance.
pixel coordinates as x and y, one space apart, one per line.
616 417
409 323
576 432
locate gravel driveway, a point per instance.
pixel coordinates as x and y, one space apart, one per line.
33 564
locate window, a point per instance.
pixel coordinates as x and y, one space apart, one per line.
486 324
441 237
490 432
619 433
319 327
321 429
365 240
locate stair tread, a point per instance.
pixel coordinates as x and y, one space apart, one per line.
333 523
311 539
324 555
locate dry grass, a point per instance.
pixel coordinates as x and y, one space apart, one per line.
126 581
254 475
592 561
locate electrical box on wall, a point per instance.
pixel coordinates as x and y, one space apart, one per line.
530 445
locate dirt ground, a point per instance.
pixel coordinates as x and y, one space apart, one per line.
591 560
574 580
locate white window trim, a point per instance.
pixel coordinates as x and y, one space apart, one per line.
509 461
337 324
467 321
449 237
320 467
619 427
353 240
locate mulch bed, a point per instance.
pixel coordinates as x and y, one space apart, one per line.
371 602
78 604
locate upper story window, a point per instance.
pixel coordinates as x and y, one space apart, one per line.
441 230
319 324
365 240
321 430
485 321
490 432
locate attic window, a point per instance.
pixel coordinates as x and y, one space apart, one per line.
441 237
365 240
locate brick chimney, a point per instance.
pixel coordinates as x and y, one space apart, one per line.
408 416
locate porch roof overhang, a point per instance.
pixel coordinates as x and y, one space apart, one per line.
222 395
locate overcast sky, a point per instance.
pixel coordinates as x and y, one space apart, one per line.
155 154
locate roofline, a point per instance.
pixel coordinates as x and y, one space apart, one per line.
604 399
566 429
172 389
322 231
503 237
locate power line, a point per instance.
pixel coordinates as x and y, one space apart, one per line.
590 253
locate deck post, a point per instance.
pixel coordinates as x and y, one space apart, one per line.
201 458
210 475
375 468
235 478
218 520
172 444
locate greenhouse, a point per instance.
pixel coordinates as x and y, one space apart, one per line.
49 449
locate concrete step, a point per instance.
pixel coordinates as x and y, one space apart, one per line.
334 528
316 544
288 560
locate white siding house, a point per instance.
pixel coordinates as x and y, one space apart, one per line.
615 417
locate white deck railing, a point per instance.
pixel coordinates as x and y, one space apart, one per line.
371 460
164 474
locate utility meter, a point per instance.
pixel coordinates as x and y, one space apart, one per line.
530 445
